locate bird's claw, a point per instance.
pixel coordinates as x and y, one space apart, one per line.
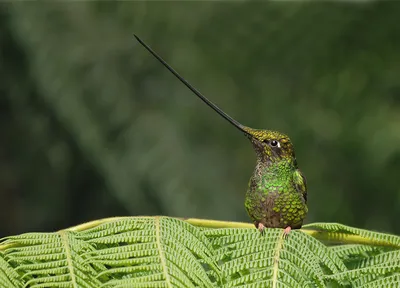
286 231
261 228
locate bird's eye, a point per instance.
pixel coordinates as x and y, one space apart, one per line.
274 143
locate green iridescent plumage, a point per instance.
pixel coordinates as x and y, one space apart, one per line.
277 192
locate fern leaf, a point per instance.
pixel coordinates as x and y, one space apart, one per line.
169 252
249 257
8 276
390 281
372 237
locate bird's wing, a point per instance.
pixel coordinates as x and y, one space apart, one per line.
301 183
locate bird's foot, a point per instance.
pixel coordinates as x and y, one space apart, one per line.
286 231
261 228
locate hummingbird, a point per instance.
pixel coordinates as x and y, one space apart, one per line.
276 196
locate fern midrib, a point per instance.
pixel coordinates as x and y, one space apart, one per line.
162 254
278 250
64 239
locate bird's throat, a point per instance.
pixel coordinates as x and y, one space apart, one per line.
275 169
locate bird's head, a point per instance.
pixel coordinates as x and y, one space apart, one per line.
270 146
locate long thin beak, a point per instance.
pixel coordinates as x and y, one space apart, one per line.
195 91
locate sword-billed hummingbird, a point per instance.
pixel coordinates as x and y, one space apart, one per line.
277 192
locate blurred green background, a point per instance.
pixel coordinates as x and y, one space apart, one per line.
93 126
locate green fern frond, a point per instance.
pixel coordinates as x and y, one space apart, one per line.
43 260
368 275
342 232
249 257
171 252
346 252
390 281
388 258
8 276
353 255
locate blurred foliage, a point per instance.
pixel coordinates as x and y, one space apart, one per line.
90 119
